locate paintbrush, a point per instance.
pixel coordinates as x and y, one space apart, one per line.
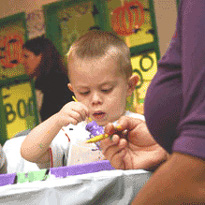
96 138
77 101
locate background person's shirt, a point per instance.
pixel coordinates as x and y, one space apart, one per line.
54 94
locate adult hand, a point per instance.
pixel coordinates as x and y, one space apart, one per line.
138 150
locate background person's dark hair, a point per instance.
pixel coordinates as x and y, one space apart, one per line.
51 60
50 76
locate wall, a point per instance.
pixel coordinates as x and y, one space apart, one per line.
10 7
165 15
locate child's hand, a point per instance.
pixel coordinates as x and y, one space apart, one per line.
72 112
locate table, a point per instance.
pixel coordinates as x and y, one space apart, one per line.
93 183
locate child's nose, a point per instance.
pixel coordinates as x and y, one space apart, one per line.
96 99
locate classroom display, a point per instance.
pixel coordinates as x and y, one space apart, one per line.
18 104
12 36
17 97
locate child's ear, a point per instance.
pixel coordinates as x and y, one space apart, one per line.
70 87
132 82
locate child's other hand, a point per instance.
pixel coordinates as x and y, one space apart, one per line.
72 112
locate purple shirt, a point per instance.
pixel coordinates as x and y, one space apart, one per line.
175 100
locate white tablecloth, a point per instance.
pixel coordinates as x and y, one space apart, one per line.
113 187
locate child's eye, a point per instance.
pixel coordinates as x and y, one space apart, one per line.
106 90
85 93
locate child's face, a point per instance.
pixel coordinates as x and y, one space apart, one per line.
101 87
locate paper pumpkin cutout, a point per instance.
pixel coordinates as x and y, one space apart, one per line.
128 18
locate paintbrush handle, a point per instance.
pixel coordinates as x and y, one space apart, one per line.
97 138
77 101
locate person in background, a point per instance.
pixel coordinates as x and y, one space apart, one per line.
44 64
3 161
175 116
100 74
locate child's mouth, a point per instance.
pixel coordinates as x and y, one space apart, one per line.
99 115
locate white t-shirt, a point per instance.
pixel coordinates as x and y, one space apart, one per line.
2 161
67 148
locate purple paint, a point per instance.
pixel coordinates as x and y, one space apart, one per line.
6 179
81 169
94 128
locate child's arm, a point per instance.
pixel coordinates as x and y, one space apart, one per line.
35 147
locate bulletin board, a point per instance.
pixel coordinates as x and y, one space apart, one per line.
12 36
134 22
17 98
67 20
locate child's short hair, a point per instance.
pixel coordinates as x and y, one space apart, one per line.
96 44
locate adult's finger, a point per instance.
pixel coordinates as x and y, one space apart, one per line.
115 153
109 129
108 142
111 147
128 123
118 160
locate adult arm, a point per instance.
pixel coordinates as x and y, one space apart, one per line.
180 180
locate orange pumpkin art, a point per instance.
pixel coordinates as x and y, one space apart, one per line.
127 18
11 51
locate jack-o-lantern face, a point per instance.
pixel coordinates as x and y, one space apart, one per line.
11 51
127 18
